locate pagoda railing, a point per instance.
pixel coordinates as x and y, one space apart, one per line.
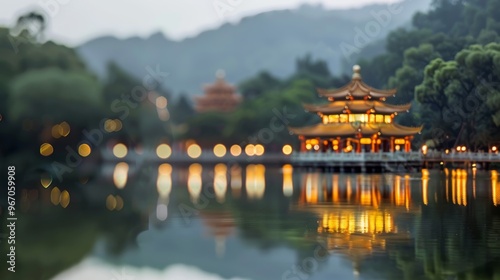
357 157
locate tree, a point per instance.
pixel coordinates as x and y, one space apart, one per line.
461 98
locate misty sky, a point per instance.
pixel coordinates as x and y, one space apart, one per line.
75 21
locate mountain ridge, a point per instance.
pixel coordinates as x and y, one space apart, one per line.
269 41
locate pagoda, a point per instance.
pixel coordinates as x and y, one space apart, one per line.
356 119
219 96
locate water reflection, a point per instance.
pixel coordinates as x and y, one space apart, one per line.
255 183
287 180
194 181
432 225
120 175
220 182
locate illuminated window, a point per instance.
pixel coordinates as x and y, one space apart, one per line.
379 118
388 119
372 118
325 119
343 118
334 118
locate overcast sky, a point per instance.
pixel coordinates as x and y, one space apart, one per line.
75 21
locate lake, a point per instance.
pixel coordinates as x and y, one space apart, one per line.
258 222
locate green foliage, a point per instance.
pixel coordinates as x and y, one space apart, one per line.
462 96
53 95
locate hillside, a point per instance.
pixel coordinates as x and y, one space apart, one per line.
269 41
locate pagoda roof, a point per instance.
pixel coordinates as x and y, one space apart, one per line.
357 106
356 89
352 129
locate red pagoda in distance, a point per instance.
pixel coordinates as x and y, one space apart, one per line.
356 119
219 96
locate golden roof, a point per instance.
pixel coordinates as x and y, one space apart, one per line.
352 129
356 106
356 89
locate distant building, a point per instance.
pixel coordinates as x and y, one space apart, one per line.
219 96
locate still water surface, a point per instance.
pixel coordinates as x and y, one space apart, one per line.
258 222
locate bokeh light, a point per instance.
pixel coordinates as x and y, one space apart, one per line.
194 151
120 150
163 151
259 150
250 150
287 150
161 102
84 150
220 150
46 149
235 150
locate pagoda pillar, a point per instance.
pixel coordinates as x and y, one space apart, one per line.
358 146
392 144
302 144
374 142
339 145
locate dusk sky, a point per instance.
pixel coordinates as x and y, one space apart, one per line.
75 21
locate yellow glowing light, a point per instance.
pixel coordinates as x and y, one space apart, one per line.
400 141
220 150
120 150
110 125
64 129
195 168
447 151
424 149
165 169
46 180
398 147
494 148
463 148
287 150
308 146
335 147
120 175
250 150
111 202
46 149
316 147
194 151
119 203
84 150
458 149
55 196
161 102
259 150
64 199
118 124
365 141
163 151
56 131
235 150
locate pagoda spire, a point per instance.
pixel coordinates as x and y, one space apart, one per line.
356 69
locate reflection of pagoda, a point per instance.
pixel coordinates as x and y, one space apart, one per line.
221 225
219 97
356 119
357 215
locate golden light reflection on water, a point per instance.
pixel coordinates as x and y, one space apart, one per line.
195 181
45 180
255 182
495 188
459 187
425 186
287 180
164 181
236 180
220 182
120 175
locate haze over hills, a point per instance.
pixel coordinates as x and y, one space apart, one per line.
269 41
